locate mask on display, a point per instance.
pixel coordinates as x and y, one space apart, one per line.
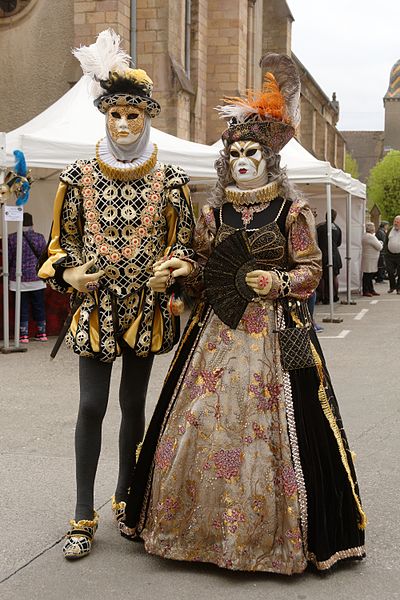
247 163
125 124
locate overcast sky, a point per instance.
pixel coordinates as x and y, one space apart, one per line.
349 47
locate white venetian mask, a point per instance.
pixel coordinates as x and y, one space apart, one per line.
246 161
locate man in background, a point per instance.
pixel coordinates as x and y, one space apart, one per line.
322 234
392 256
381 235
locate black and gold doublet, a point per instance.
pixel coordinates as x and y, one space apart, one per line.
125 221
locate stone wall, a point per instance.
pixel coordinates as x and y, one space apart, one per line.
36 69
226 40
226 57
93 16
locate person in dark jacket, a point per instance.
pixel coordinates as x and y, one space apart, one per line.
381 235
32 288
392 256
322 233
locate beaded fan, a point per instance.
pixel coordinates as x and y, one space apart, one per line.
224 278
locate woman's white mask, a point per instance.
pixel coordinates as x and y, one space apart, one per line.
246 161
125 124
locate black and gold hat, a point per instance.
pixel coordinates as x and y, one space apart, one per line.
271 115
113 81
132 87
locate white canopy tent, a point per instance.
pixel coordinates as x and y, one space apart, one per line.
70 128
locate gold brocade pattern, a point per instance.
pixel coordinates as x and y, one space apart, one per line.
125 226
262 195
224 489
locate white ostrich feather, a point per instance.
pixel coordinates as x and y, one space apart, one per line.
235 111
102 57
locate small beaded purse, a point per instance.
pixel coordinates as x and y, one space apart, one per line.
293 332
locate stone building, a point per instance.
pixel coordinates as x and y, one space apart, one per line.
196 51
368 147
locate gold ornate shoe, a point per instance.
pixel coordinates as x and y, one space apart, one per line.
118 509
80 537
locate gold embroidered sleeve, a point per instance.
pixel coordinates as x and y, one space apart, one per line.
65 248
203 243
180 221
304 254
304 270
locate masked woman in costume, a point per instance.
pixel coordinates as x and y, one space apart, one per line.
245 463
114 216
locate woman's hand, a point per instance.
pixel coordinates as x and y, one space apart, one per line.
166 271
260 281
79 279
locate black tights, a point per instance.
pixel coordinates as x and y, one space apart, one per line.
94 381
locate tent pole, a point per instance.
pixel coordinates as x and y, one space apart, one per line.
6 349
6 322
331 318
330 249
18 276
348 251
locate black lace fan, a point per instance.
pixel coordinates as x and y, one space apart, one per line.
224 278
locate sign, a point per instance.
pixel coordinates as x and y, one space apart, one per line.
13 213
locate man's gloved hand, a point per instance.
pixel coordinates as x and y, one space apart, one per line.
166 271
80 279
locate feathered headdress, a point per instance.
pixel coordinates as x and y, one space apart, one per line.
269 115
113 82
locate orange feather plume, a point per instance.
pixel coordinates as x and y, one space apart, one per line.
268 102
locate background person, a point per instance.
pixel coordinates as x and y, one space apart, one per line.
392 256
381 234
32 288
322 234
371 248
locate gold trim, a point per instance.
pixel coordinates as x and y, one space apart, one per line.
264 194
358 552
85 522
326 407
126 174
298 470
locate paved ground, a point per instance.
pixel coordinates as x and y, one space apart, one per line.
38 402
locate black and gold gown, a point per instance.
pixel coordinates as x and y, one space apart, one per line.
246 465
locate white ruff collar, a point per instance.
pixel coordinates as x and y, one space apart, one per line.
110 160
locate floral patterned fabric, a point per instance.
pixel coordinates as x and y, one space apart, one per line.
245 465
224 488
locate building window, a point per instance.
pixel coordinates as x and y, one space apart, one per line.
8 8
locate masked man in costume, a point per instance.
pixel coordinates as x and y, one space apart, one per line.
245 463
114 216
